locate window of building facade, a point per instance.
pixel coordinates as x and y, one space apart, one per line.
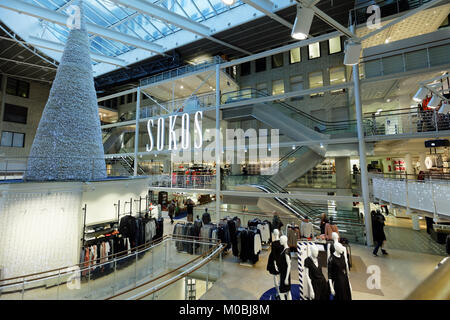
245 69
129 98
296 83
12 139
260 65
337 76
262 87
295 55
334 45
277 87
122 99
277 60
15 113
315 81
314 50
17 88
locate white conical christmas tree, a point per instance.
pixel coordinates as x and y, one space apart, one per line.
68 143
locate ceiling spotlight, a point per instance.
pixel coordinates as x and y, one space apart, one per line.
293 147
181 87
352 53
229 2
420 94
434 102
302 23
445 108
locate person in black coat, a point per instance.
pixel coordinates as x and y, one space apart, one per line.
378 232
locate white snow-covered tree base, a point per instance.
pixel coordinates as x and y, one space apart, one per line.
68 143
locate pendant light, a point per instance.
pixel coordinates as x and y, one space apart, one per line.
302 23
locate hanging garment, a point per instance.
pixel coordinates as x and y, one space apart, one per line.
265 232
283 268
206 218
293 234
127 227
337 272
275 252
306 230
318 281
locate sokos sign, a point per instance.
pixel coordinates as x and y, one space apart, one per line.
174 134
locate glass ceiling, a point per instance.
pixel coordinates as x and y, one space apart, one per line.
128 21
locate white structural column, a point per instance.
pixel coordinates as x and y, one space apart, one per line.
218 147
408 164
2 103
136 135
362 154
422 158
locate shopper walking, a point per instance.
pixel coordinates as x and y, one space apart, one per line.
378 232
190 210
171 209
323 222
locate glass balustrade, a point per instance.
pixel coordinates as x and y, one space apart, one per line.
118 274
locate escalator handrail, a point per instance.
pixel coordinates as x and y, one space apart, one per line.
296 110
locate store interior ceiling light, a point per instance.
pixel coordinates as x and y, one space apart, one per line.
302 23
229 2
420 94
445 108
434 102
352 53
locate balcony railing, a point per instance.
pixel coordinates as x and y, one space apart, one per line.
181 71
183 181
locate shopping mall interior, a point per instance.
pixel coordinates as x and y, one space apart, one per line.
169 149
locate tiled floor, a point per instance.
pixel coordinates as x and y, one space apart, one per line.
400 273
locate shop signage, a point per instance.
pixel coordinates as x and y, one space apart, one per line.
185 133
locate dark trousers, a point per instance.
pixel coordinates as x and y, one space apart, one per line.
378 246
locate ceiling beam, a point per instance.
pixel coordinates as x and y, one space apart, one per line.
165 15
27 78
27 63
175 19
267 7
59 47
61 19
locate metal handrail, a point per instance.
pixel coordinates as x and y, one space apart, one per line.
426 177
187 272
167 273
144 247
435 286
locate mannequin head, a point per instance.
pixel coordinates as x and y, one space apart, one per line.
338 248
314 251
335 236
276 234
283 241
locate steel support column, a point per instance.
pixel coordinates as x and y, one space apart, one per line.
362 154
218 147
136 135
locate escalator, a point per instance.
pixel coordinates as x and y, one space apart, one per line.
295 124
116 137
298 126
350 225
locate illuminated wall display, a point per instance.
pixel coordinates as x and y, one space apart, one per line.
185 134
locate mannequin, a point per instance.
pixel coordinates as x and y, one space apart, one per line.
283 264
318 286
275 252
338 274
335 239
